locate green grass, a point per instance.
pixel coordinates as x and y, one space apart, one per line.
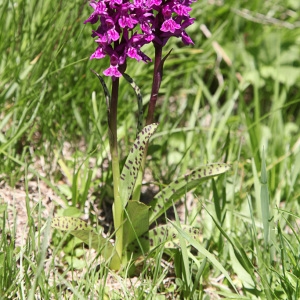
54 135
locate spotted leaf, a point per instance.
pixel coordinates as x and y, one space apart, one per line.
165 234
105 89
133 162
81 230
175 190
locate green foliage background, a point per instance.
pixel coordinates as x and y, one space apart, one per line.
210 109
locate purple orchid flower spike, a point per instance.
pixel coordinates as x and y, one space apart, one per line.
126 26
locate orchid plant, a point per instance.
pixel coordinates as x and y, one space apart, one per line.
124 27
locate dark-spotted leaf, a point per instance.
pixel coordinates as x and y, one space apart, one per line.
175 190
81 230
133 162
105 89
164 234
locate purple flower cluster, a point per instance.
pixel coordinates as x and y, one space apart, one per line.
126 26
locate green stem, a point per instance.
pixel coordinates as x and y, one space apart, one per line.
113 141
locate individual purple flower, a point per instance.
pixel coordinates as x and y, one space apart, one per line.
99 10
98 54
133 46
182 10
169 26
113 69
125 19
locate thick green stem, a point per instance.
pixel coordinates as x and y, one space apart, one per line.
113 141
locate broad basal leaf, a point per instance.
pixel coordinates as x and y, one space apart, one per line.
175 190
81 230
165 234
137 221
133 162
